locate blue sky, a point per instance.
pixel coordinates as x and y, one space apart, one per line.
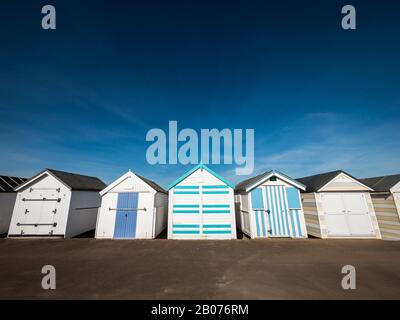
82 98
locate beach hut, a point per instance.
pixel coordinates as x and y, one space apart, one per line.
132 207
269 205
201 206
337 205
7 200
56 203
386 201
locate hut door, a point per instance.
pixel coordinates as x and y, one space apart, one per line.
277 211
126 215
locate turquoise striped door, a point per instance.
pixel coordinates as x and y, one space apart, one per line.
277 210
271 211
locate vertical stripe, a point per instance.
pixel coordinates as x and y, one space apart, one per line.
271 212
282 211
263 223
292 218
257 224
298 222
287 212
277 209
266 212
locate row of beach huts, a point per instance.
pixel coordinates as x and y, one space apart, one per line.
201 205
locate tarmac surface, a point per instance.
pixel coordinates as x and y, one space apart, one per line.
233 269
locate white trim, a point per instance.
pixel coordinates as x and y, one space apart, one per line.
280 176
121 179
22 186
395 188
355 180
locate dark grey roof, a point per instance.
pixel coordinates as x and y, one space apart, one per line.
382 183
152 184
75 181
242 185
316 182
248 182
8 183
78 181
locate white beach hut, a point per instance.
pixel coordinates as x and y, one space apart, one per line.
132 207
56 203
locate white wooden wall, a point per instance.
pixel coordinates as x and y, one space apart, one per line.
45 186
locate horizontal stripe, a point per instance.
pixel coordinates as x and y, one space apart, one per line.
216 232
215 205
186 192
186 226
215 192
185 232
186 211
217 211
215 187
186 206
216 226
186 187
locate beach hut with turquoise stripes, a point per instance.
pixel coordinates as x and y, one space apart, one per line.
201 206
269 205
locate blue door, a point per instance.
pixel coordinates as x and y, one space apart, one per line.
271 211
126 215
277 210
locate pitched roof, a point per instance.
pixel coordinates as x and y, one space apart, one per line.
152 184
8 183
200 166
259 178
73 180
382 183
316 182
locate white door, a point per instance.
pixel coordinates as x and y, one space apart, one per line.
358 217
335 214
347 214
40 212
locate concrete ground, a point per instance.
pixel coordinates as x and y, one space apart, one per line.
236 269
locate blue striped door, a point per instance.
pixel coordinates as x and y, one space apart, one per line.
277 211
257 203
125 219
294 204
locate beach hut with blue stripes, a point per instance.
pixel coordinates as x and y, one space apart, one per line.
201 206
269 205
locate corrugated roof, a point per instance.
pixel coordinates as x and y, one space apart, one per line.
316 182
152 184
382 183
8 183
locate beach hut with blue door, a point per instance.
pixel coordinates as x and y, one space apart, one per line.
132 207
269 205
201 206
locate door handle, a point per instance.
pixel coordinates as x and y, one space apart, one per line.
268 211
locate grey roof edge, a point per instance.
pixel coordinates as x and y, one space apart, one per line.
152 184
243 185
